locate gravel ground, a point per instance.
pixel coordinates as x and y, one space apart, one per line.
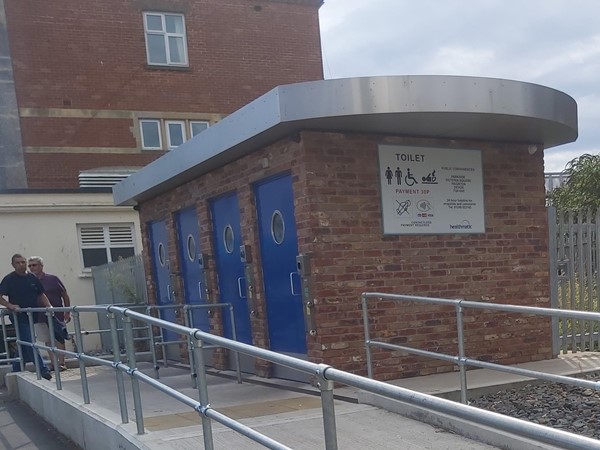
571 408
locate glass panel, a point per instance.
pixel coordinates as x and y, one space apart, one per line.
228 239
94 257
176 50
198 127
176 137
161 254
150 135
157 52
277 227
117 254
174 24
153 22
191 247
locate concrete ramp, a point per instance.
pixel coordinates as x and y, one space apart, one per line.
285 411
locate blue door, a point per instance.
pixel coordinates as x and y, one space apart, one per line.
162 279
188 232
278 250
227 240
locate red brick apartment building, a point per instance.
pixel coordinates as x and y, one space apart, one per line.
117 83
91 91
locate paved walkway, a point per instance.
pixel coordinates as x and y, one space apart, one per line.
286 411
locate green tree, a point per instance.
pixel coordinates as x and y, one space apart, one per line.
582 188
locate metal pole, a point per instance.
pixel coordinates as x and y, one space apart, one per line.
238 369
79 345
202 391
552 248
152 344
18 337
164 347
135 385
189 322
114 334
460 327
50 318
327 405
4 336
36 361
367 336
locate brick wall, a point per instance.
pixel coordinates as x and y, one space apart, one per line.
337 207
341 227
94 56
77 132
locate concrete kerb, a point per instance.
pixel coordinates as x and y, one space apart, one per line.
90 426
470 430
481 382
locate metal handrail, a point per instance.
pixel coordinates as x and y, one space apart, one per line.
189 322
461 360
326 377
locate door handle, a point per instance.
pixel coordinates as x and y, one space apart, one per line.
169 293
240 292
294 293
200 290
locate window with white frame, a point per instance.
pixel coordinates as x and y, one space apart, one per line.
102 243
165 39
175 133
197 127
151 135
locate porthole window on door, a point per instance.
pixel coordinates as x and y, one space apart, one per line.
277 227
161 254
228 239
191 247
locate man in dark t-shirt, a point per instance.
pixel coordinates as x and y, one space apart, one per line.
20 289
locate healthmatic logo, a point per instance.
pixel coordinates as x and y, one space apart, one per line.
464 225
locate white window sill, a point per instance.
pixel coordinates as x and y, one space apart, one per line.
85 275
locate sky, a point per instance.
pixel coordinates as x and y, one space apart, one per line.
555 43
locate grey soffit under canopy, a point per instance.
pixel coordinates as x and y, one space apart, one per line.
446 107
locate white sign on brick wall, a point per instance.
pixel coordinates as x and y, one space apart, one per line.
431 190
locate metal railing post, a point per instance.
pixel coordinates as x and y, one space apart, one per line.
202 391
152 344
189 322
367 335
114 334
238 369
460 328
18 338
135 385
4 336
33 348
327 405
79 344
50 318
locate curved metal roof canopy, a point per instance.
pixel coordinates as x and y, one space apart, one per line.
446 107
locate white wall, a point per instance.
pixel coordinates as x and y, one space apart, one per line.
46 225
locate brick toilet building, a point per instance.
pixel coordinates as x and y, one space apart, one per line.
315 192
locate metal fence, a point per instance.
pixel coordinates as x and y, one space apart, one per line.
326 377
574 276
123 283
553 180
120 282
